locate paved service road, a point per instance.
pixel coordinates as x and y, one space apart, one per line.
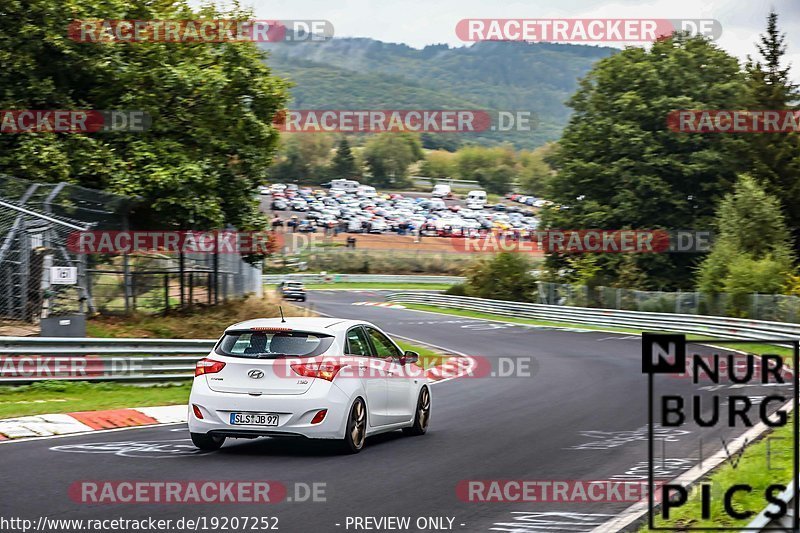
581 415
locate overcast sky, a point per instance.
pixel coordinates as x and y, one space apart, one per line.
422 22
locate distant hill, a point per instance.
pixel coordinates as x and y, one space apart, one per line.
360 73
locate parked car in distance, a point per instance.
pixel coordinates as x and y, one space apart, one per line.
441 190
476 197
349 186
366 191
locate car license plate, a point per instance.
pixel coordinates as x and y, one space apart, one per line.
254 419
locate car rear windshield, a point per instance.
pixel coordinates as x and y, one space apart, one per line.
269 345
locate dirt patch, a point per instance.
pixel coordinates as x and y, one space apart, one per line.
19 330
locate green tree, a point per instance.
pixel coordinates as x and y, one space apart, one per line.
504 277
497 179
775 156
619 167
211 105
440 141
534 172
388 157
752 252
344 164
303 157
438 164
471 159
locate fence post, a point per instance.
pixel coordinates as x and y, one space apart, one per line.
166 293
215 258
182 274
191 289
133 292
755 306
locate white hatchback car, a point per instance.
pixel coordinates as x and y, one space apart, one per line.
321 378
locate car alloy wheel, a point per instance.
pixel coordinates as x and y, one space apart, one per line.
422 415
356 430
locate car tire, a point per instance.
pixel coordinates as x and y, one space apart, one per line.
422 415
355 431
207 442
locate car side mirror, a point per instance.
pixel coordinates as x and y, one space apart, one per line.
409 357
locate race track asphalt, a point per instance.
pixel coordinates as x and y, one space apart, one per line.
581 414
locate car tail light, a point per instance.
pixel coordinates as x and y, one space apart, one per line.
324 370
208 366
197 412
319 417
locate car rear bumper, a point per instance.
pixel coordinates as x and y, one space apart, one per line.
295 295
295 411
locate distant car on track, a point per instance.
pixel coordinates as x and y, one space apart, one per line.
321 378
292 290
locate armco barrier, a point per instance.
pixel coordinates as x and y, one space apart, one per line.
270 279
639 320
144 360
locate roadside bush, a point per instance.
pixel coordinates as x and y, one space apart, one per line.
459 289
752 253
504 277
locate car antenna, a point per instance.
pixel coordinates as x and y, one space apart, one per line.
283 320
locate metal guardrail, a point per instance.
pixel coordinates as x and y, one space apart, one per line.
29 359
701 324
454 183
359 278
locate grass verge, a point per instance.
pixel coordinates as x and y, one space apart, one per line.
64 397
427 356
